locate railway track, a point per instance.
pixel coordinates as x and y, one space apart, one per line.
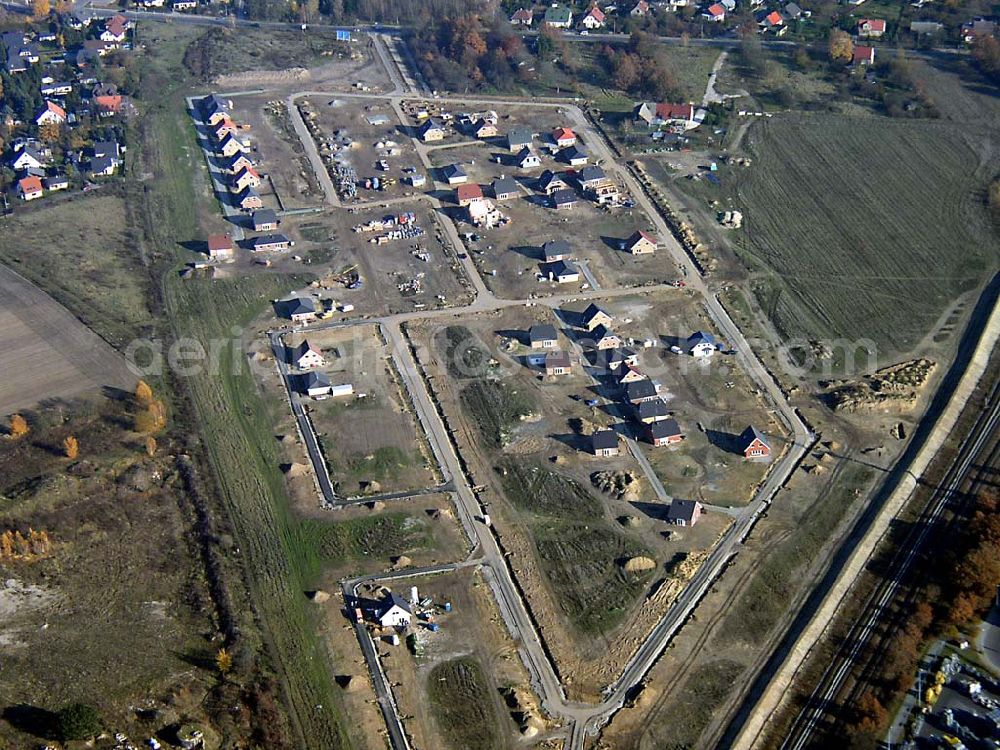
811 718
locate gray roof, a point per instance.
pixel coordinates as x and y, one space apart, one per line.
606 357
591 173
106 148
213 103
101 164
504 185
297 306
792 10
602 331
563 268
654 408
269 239
700 337
664 428
603 439
525 153
519 137
394 600
548 177
454 170
431 124
640 389
750 434
591 311
314 380
552 248
577 151
560 197
265 216
542 332
682 510
558 359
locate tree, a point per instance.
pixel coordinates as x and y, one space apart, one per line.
40 8
224 661
18 426
143 393
986 53
840 46
150 446
78 721
71 447
50 132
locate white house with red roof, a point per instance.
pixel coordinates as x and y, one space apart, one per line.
641 243
115 29
522 17
659 114
715 12
30 188
592 19
871 28
641 8
863 55
50 112
773 22
564 137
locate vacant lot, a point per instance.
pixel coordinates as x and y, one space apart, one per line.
861 228
463 705
80 252
46 353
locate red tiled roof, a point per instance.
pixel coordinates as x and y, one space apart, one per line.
55 109
109 103
218 242
863 54
875 24
774 18
521 15
666 111
30 185
596 13
469 192
716 10
560 133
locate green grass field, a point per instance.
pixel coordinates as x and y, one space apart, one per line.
496 408
860 227
463 707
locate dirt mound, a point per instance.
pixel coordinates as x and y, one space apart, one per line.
401 562
524 446
893 388
638 564
370 487
623 485
319 596
347 681
295 469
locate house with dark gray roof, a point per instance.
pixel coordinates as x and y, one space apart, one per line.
604 443
554 250
640 390
684 512
663 432
543 336
518 138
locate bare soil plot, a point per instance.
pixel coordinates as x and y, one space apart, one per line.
371 444
456 685
46 353
880 261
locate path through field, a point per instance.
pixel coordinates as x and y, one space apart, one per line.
45 352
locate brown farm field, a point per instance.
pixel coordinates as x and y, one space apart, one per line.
860 228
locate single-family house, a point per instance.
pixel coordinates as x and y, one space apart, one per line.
103 166
50 113
29 188
231 145
575 155
220 247
551 181
871 28
270 243
640 243
684 512
99 47
468 193
592 19
418 180
792 12
922 28
638 388
663 432
485 129
224 127
182 5
563 199
753 444
110 149
249 199
297 309
715 12
650 410
612 359
863 55
640 9
109 105
543 336
590 176
306 356
264 220
314 384
521 17
27 158
558 363
658 114
562 272
56 182
237 162
978 27
505 188
528 159
555 250
246 177
454 174
772 22
517 139
558 17
701 344
394 612
115 29
604 338
214 108
431 130
594 317
56 88
563 137
604 443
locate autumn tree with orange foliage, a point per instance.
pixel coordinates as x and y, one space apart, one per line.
150 446
143 393
71 447
40 8
16 546
18 426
